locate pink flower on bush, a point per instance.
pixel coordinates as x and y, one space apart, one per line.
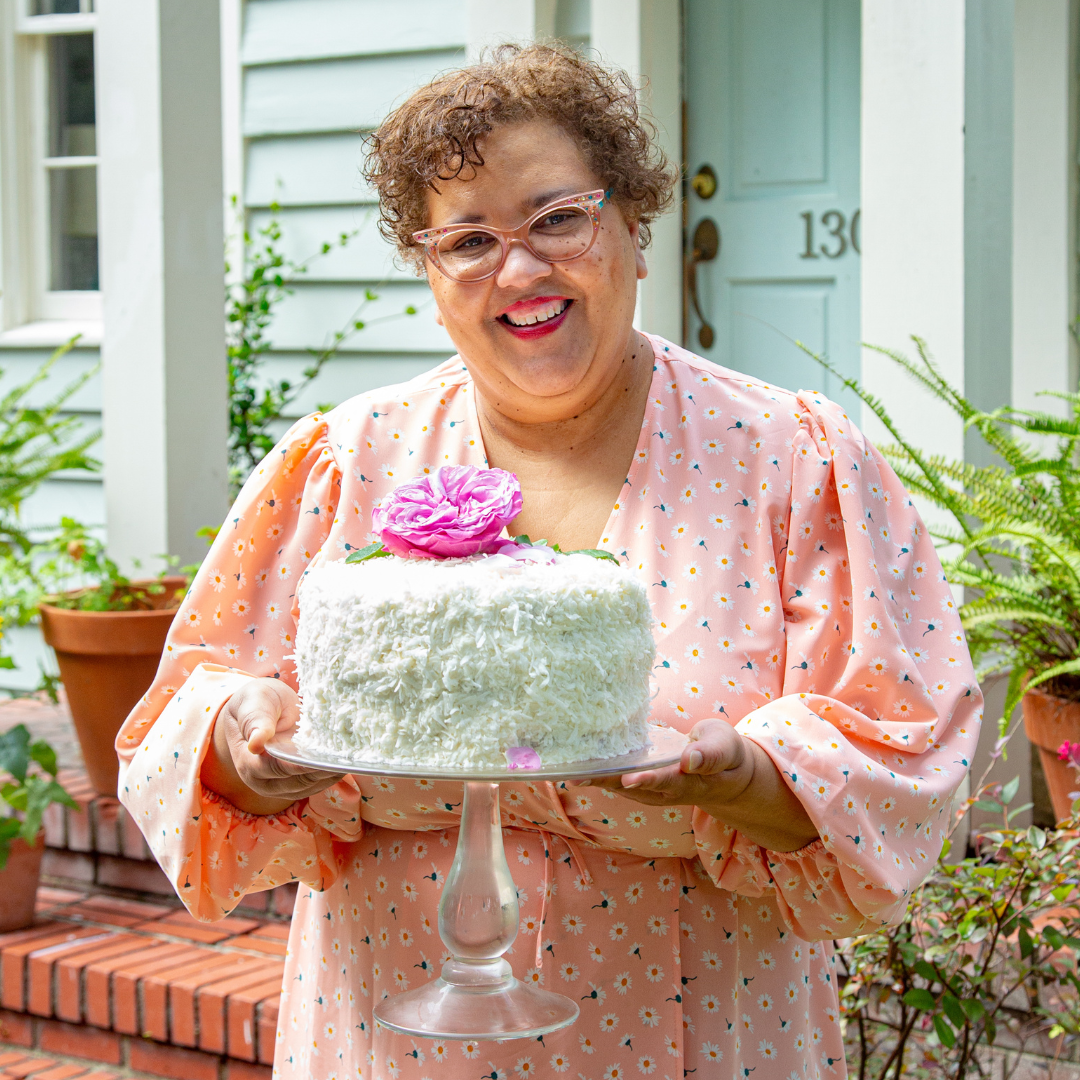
459 510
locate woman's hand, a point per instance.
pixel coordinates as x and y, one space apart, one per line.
237 766
732 779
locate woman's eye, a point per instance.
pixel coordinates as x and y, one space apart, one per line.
471 243
560 217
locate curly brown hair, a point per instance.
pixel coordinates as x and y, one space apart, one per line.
436 134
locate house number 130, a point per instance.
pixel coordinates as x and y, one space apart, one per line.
837 226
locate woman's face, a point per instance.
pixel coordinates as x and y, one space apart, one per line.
554 372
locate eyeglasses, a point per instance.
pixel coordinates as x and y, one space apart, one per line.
561 231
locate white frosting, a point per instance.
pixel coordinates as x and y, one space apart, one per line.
450 663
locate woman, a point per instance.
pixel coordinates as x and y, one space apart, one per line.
807 640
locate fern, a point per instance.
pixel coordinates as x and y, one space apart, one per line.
1015 524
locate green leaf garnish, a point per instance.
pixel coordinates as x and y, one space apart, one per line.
372 551
595 553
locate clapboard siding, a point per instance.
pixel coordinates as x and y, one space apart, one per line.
280 31
345 376
309 317
365 257
18 366
334 95
80 498
316 74
306 170
75 494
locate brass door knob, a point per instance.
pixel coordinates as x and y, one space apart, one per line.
706 247
704 182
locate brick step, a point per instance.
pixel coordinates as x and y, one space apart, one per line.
116 979
140 1063
17 1064
143 986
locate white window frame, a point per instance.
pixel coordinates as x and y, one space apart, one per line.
27 206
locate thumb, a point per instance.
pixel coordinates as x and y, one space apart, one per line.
259 731
714 747
258 722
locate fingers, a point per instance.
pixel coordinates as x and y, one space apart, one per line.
715 766
301 785
667 784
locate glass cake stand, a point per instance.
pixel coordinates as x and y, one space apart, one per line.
477 996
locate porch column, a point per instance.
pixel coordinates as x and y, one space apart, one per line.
912 162
1044 196
162 246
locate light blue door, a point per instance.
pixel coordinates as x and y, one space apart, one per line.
773 109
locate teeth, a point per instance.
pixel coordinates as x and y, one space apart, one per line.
539 316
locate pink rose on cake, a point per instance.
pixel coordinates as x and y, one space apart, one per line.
459 510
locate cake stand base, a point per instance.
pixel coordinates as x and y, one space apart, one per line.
450 1007
477 996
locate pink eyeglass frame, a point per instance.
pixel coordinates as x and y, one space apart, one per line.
592 201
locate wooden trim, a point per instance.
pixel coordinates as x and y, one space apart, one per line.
644 37
55 24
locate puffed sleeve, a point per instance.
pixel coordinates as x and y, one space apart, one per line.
880 712
237 623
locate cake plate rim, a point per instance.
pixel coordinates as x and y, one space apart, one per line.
665 747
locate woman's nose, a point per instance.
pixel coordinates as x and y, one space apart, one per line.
521 267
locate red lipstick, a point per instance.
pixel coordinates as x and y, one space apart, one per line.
535 330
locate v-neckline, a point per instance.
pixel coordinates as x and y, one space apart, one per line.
636 464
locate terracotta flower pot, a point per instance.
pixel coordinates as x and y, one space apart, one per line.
1049 721
18 884
107 660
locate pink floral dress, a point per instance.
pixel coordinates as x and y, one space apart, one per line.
796 594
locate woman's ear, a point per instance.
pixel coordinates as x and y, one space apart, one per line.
634 228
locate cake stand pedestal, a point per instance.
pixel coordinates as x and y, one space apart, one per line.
477 996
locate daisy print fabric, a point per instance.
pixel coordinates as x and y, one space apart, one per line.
796 595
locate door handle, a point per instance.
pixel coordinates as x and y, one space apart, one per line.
706 247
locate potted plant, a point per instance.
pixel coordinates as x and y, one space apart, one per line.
107 631
1014 541
26 793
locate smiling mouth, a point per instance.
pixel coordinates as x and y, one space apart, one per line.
538 317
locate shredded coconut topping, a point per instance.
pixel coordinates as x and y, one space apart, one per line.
449 663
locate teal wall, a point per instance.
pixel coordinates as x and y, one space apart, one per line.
316 74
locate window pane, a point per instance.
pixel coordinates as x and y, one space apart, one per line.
71 95
73 229
56 7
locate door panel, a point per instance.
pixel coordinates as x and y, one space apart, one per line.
773 107
771 313
778 84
